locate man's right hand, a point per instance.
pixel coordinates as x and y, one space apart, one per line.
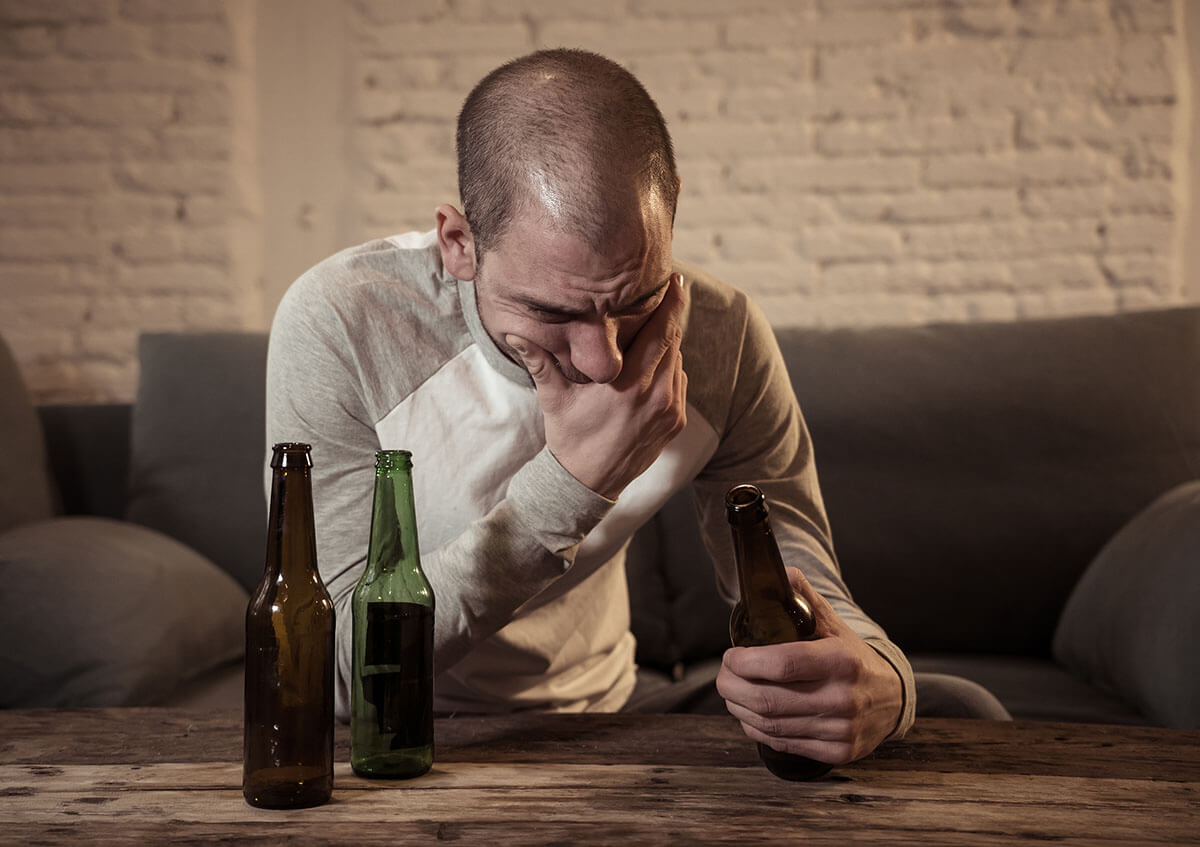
606 435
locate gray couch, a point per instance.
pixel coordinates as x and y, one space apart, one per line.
1016 503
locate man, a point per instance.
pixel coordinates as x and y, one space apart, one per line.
557 377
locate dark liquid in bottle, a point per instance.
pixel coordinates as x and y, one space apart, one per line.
397 681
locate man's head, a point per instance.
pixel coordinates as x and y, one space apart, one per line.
569 189
565 132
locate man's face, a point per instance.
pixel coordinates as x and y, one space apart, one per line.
582 308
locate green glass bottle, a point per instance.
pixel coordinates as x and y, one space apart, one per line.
768 611
288 743
391 695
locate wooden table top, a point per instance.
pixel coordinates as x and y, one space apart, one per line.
146 776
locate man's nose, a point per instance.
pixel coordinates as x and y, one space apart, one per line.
595 352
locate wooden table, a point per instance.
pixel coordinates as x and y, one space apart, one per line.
148 776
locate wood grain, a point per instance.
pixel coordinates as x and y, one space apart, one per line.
144 775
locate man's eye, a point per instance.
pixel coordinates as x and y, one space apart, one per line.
548 316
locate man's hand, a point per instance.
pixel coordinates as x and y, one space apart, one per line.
832 699
605 435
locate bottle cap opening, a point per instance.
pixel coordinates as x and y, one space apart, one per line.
745 502
291 454
387 460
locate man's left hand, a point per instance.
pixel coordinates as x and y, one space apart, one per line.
832 699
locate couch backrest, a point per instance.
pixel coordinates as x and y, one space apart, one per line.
198 437
971 472
26 487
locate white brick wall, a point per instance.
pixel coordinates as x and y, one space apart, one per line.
845 161
124 188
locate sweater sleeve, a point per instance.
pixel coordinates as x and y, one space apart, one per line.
319 391
765 441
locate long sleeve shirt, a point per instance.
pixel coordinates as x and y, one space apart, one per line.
379 347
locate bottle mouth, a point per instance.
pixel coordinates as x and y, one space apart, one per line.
291 454
745 502
390 460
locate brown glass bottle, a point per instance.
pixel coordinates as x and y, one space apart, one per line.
768 611
288 745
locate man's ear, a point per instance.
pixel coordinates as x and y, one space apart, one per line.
456 242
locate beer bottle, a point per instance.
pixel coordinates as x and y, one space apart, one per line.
391 694
769 611
288 745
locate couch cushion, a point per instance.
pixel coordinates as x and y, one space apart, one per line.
1132 624
26 492
199 436
104 613
971 472
1030 688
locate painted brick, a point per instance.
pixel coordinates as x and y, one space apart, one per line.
1137 270
46 211
103 41
847 163
28 42
1138 232
728 140
812 103
1000 240
1150 16
398 108
68 178
624 38
156 10
946 135
760 278
1153 197
173 177
52 11
211 42
906 67
1089 201
931 206
836 29
413 39
1015 169
1145 64
105 109
32 244
812 174
33 279
848 242
55 144
1057 272
1063 19
718 8
169 283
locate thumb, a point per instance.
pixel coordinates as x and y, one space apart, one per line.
537 361
828 621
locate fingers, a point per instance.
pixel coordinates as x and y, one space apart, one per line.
806 661
538 362
828 621
807 719
838 748
659 336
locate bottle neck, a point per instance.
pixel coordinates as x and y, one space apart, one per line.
761 575
393 546
291 542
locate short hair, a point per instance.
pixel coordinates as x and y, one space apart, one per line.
576 121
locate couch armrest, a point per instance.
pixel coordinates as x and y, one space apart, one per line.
88 448
1132 624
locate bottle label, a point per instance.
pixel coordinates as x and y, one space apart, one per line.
397 674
